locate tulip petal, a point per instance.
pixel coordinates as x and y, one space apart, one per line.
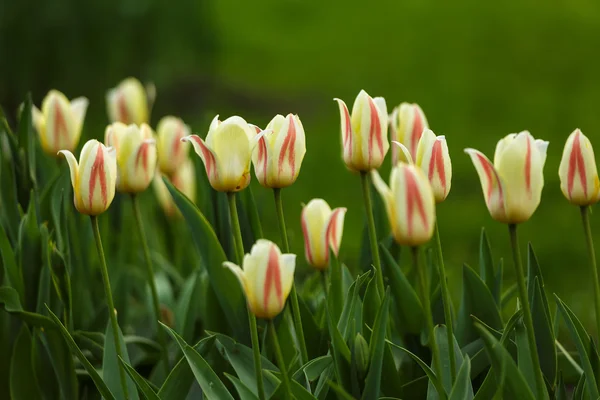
434 160
288 266
403 154
79 107
262 157
73 167
335 229
238 272
491 184
315 216
577 171
60 125
386 194
542 147
347 133
207 155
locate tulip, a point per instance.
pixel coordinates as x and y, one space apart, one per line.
226 153
434 160
94 178
59 122
184 179
578 174
171 153
266 278
410 204
407 123
128 102
512 185
136 155
322 229
364 133
278 156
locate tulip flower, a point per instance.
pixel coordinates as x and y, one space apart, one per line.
171 152
409 202
94 178
136 155
578 174
226 153
128 102
59 122
322 229
266 277
407 123
278 156
512 185
183 179
364 133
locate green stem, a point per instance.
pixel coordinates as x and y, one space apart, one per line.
109 302
239 251
293 293
435 356
366 188
280 361
585 218
447 303
527 318
150 272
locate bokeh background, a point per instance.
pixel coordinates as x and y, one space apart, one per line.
480 70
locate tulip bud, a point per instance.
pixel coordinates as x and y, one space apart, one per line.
59 122
278 156
434 160
361 355
128 103
578 174
171 152
267 277
322 229
94 178
364 133
512 185
407 124
136 155
410 204
226 153
184 179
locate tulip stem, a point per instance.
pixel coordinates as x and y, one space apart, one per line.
585 218
239 251
366 188
151 282
280 361
527 318
293 293
424 286
447 303
109 301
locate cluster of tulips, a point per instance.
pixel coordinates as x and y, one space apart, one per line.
133 157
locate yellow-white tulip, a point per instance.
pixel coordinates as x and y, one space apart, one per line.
322 229
128 103
266 277
434 160
512 185
364 133
407 123
183 179
278 156
578 174
136 155
94 178
59 122
171 152
409 202
227 153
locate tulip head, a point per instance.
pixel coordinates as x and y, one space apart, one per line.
266 277
226 153
279 153
364 133
59 122
322 229
512 185
407 123
184 179
128 103
171 152
409 202
434 160
93 178
578 174
136 155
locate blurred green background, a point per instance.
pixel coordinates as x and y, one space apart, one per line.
480 70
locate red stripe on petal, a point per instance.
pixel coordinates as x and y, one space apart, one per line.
436 164
374 130
576 166
332 231
142 157
528 167
488 174
288 147
122 109
60 125
347 131
417 131
209 158
98 172
306 234
262 157
413 199
272 279
177 140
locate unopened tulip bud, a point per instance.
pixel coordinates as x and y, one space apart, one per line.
171 152
136 155
434 160
226 153
361 355
410 204
364 133
512 185
184 179
322 229
578 174
128 103
407 123
94 178
266 277
279 153
59 122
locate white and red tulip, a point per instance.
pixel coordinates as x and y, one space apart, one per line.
434 159
128 102
171 152
407 123
322 229
578 174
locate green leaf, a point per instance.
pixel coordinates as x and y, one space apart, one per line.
29 254
12 274
111 368
462 389
9 212
437 383
10 299
486 264
371 305
140 382
314 368
342 394
249 216
352 299
299 392
579 393
544 334
441 337
560 392
376 350
61 360
23 384
27 137
185 310
243 391
524 356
